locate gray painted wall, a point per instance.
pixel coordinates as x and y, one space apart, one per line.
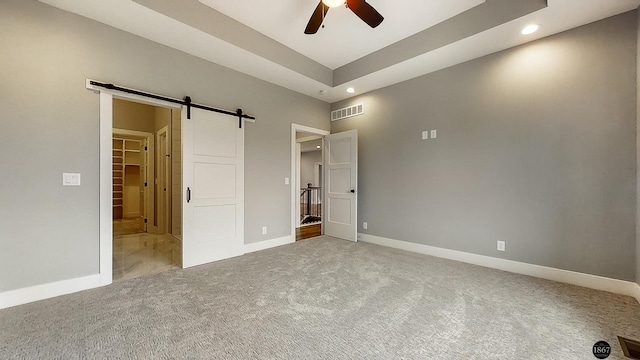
50 126
638 158
308 162
536 147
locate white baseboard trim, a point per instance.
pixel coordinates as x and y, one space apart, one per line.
40 292
268 244
45 291
637 292
564 276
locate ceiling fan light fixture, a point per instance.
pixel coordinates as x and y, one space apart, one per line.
361 8
333 3
530 29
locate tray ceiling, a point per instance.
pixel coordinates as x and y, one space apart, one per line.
345 37
265 39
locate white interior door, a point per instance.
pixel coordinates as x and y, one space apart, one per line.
213 183
341 180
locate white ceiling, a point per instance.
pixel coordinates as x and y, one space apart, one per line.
344 39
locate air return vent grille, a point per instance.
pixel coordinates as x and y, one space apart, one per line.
347 112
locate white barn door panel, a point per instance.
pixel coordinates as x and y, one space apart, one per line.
341 180
213 184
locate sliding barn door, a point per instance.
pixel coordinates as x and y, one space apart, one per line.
213 184
341 180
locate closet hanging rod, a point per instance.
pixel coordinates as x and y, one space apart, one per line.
186 102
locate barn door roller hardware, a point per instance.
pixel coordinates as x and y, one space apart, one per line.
186 102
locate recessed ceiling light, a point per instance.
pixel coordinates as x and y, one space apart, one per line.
333 3
323 92
530 29
318 147
351 90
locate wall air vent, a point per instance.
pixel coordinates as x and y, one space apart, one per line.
347 112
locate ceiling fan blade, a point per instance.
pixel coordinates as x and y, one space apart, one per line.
365 12
316 19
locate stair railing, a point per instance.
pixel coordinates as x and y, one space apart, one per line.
310 204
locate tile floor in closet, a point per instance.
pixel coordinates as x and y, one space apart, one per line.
141 254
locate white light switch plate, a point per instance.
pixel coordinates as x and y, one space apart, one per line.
70 179
286 181
425 135
434 134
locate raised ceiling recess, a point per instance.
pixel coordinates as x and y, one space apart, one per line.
265 39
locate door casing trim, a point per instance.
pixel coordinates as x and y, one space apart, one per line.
106 164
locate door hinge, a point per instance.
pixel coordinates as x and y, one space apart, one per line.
145 184
145 221
145 148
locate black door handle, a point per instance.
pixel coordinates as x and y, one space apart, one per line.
188 194
353 191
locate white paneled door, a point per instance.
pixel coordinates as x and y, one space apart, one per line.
341 180
213 184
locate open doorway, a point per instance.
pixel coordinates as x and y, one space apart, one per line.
132 172
307 175
147 222
310 199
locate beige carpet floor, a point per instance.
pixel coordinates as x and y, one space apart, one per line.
323 298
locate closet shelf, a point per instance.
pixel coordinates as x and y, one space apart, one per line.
128 156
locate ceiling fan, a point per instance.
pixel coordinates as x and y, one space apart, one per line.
361 8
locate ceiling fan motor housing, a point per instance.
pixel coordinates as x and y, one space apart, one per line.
361 8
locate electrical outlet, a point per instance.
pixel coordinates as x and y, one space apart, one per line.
286 181
501 246
264 230
364 225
